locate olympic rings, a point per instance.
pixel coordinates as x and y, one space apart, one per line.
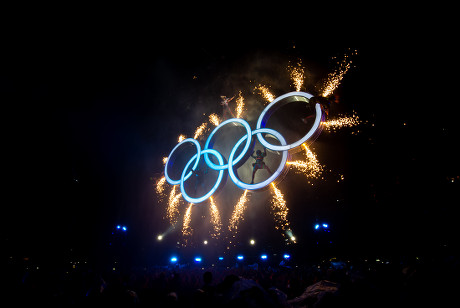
243 152
232 161
216 185
275 174
263 118
198 150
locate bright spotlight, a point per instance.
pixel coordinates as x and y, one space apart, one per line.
198 259
221 258
160 237
316 226
118 227
205 242
293 238
325 225
124 228
263 257
240 257
286 256
173 259
252 242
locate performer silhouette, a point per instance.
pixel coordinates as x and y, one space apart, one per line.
227 109
259 164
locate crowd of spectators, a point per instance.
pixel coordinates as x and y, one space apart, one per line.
329 283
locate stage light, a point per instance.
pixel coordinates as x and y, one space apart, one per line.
286 256
316 226
174 259
198 259
293 238
325 225
160 237
240 257
118 227
221 258
252 242
205 242
124 228
263 257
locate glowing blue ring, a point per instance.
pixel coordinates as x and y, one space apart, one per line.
198 152
265 115
275 174
216 185
243 152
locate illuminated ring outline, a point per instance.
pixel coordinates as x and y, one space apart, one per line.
216 185
265 115
243 152
198 152
275 174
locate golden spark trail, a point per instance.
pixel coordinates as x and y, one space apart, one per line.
265 92
173 206
238 211
214 119
215 218
334 78
181 138
311 167
297 75
279 209
200 130
341 122
186 229
239 105
160 187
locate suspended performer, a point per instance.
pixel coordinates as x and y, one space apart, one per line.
227 110
259 164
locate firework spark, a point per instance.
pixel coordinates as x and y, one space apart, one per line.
214 119
172 211
239 105
181 138
238 211
265 92
279 209
335 77
200 130
215 218
187 229
341 122
297 75
310 167
160 187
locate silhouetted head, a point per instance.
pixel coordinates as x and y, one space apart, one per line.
259 152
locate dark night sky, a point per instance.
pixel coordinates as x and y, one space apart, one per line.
101 102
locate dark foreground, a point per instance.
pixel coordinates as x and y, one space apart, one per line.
412 282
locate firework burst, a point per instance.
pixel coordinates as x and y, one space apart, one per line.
238 212
239 105
172 211
160 188
297 74
335 77
186 228
310 167
265 92
214 119
215 218
279 209
341 122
